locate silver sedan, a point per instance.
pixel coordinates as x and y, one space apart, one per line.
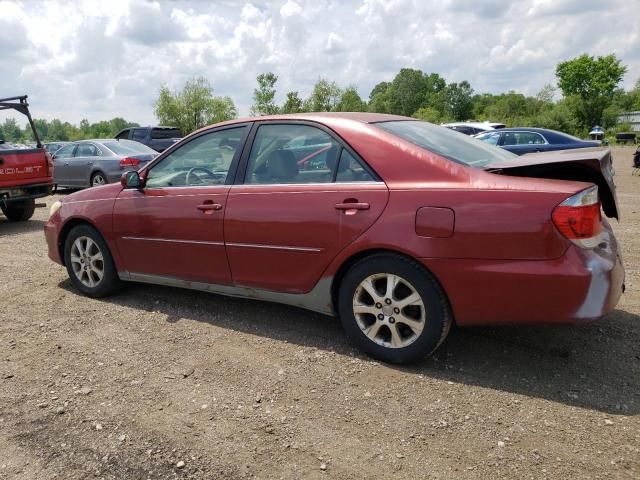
89 163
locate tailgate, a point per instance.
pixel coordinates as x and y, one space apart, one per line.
19 167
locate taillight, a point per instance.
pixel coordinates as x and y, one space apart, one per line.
579 219
129 162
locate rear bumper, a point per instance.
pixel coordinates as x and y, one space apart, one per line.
23 192
582 285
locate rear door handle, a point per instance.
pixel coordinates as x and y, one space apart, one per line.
352 206
208 207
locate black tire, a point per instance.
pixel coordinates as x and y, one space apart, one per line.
110 283
19 211
96 175
436 311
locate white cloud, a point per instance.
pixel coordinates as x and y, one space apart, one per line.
82 60
290 8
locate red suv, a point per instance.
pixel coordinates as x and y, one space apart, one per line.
398 226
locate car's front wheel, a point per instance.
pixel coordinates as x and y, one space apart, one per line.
89 262
393 308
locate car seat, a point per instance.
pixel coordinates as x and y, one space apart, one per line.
282 166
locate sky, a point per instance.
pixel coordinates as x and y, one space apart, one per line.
102 59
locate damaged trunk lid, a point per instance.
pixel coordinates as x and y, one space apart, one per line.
593 165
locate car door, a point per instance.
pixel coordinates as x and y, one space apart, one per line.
173 226
287 217
61 165
80 164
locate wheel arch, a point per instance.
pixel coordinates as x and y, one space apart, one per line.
356 257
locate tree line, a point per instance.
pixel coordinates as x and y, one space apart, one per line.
588 89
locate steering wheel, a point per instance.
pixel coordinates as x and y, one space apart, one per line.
205 170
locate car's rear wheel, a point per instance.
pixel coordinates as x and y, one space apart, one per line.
19 211
98 179
393 308
89 262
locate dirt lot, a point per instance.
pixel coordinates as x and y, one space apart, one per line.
163 383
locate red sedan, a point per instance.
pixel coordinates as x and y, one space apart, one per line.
398 226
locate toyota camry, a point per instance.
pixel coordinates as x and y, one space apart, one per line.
399 227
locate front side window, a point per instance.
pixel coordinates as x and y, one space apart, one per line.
124 134
204 161
65 152
292 154
491 138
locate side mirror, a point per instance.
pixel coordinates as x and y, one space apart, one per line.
130 180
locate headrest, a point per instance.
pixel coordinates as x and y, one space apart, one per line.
282 165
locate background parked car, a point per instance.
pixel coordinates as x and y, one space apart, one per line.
158 138
90 163
53 147
530 140
473 128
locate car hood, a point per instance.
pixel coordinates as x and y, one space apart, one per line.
581 164
103 192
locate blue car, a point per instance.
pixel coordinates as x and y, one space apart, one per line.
530 140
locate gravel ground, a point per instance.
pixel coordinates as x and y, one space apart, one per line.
164 383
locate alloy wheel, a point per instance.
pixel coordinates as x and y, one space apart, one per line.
97 180
87 261
389 310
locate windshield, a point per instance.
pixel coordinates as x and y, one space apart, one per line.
127 147
445 142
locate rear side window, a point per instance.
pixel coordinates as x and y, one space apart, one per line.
292 154
163 133
459 148
86 150
139 134
351 170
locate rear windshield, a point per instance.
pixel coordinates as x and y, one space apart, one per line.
162 133
127 147
445 142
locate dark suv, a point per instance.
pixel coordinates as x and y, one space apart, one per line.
158 138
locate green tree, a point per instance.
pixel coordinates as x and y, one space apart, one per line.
407 92
324 96
379 98
350 101
293 103
11 130
458 100
193 107
263 96
429 114
593 82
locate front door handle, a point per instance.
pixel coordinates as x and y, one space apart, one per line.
208 207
